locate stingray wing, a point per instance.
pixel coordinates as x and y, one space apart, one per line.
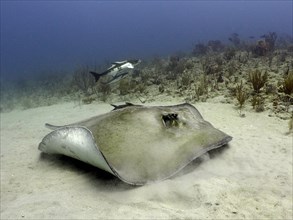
75 142
145 144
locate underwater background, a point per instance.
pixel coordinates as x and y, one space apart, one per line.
48 48
232 60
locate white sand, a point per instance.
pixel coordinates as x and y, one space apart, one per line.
252 178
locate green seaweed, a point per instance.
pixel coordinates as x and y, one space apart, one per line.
288 83
258 79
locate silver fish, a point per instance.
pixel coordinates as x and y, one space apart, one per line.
117 71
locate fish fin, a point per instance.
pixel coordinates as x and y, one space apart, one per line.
119 62
112 66
52 127
127 104
96 75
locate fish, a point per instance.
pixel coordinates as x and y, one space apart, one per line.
137 144
117 71
127 104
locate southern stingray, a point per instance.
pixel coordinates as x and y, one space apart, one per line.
138 144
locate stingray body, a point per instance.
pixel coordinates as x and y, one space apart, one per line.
138 144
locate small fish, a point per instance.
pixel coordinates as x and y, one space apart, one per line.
117 71
127 104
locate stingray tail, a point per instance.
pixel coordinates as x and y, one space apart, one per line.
96 75
52 127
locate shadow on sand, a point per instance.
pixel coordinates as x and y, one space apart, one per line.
193 165
109 182
103 179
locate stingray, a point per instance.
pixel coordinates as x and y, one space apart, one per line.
138 144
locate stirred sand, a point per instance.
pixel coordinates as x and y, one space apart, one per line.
251 178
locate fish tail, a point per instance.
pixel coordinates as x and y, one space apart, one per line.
96 75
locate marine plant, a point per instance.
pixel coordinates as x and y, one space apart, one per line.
258 79
141 87
83 80
290 48
161 88
243 57
257 103
229 53
284 41
186 79
232 67
282 57
265 45
241 96
212 65
102 90
200 49
288 83
179 69
216 45
234 38
88 100
146 75
175 67
188 64
173 62
201 87
259 49
270 39
124 86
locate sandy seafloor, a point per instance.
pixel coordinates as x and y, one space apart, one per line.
249 179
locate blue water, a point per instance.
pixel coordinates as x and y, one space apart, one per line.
42 36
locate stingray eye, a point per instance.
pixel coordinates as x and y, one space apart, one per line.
170 120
